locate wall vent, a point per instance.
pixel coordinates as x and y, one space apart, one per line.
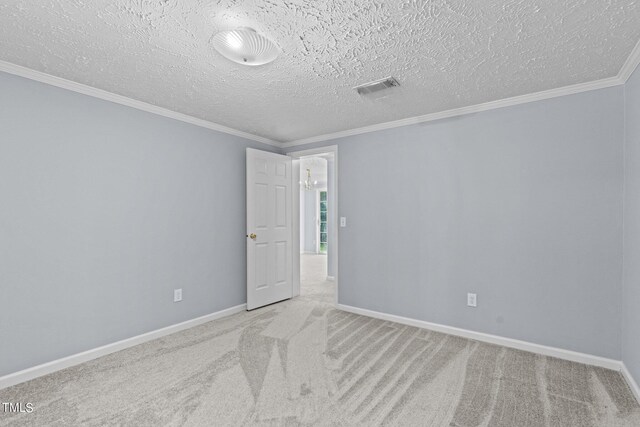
377 86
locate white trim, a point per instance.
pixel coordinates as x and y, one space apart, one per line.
28 73
630 64
296 225
334 224
633 385
492 105
623 75
298 154
492 339
331 278
85 356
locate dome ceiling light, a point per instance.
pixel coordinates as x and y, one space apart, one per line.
245 46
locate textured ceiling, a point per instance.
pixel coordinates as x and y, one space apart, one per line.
445 53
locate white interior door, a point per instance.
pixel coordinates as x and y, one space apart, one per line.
269 228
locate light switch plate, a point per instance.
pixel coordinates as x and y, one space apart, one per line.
177 295
472 300
343 221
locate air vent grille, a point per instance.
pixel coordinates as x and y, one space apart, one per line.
377 86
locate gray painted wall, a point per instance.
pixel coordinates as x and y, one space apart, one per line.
522 205
105 210
631 284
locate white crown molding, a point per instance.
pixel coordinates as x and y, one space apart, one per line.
573 356
633 385
630 64
85 356
623 75
492 105
39 76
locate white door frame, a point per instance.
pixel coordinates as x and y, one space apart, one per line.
295 221
333 224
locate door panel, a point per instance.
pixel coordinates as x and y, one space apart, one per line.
281 207
261 265
261 206
261 166
281 263
269 228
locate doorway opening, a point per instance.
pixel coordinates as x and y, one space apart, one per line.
315 270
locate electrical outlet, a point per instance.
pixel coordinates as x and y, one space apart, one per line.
177 295
472 300
343 221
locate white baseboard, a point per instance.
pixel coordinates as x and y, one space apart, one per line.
331 278
633 385
573 356
85 356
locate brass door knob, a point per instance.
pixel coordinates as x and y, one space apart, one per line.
252 235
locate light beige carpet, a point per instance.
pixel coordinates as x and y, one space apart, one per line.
302 362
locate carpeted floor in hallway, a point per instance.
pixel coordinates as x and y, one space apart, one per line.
314 285
303 362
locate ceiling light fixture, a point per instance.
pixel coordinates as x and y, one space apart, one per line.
245 46
308 184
